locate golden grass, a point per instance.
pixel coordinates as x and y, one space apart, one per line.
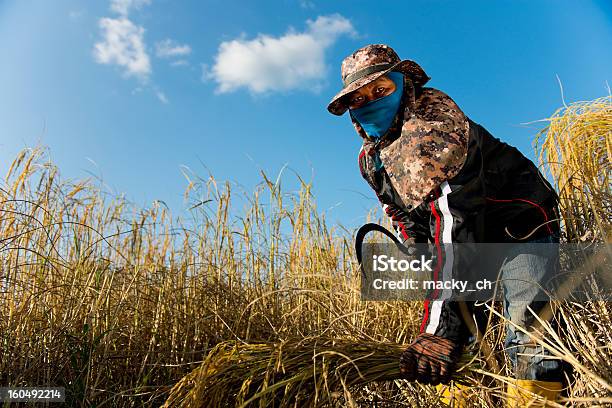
307 372
285 374
120 304
117 303
576 149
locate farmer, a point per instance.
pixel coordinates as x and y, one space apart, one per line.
442 178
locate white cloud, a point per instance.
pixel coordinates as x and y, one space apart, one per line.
169 48
294 60
123 45
123 7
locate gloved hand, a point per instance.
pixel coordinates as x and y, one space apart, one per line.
430 359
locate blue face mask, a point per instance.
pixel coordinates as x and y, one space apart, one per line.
375 117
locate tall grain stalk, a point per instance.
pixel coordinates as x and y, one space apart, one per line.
116 303
576 149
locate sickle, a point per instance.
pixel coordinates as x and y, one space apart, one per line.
361 233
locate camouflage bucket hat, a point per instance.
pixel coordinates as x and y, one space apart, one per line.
368 64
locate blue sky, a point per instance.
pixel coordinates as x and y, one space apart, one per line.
143 87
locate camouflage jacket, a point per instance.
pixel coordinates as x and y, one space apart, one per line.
444 179
434 149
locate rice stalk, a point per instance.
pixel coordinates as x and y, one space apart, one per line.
310 372
576 150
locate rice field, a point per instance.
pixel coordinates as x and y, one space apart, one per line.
254 305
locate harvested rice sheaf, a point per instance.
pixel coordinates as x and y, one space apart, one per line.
306 373
576 150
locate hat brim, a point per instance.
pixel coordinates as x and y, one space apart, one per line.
338 106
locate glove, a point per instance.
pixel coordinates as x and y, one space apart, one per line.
430 359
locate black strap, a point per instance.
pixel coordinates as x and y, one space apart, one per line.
365 71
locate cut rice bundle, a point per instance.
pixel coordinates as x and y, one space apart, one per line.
305 373
576 148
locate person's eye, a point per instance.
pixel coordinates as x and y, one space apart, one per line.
380 90
356 100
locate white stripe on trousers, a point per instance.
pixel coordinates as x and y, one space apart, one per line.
447 238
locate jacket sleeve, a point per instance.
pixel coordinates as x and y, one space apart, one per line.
439 119
423 224
442 316
436 117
